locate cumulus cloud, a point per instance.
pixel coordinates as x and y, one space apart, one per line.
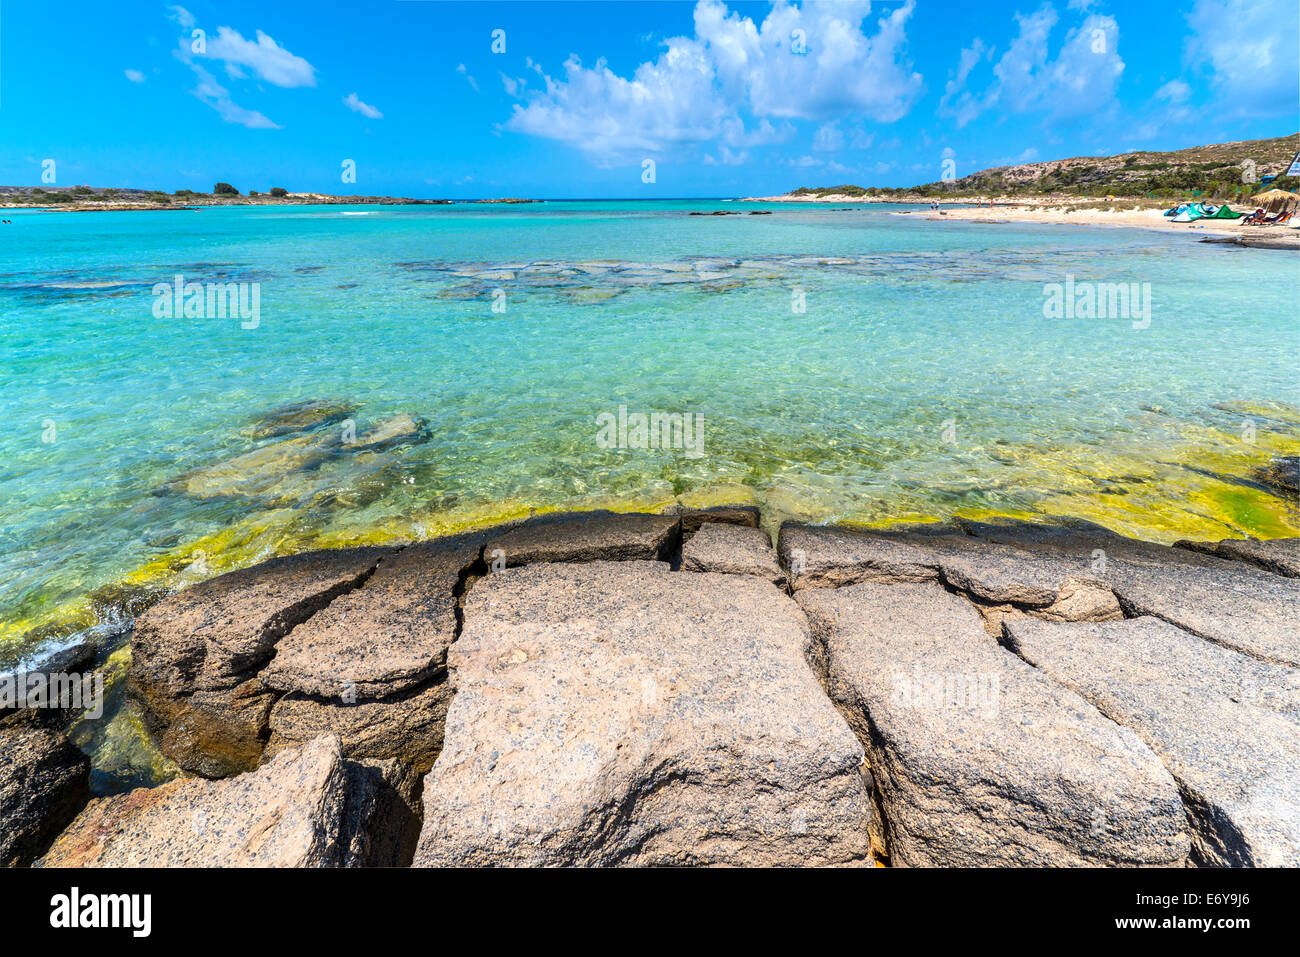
812 62
730 81
135 76
266 58
355 104
1251 49
1078 80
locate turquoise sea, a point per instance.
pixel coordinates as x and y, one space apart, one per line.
920 379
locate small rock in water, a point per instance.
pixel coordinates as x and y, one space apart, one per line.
397 430
299 417
1282 474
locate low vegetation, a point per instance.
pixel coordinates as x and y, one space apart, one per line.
1225 171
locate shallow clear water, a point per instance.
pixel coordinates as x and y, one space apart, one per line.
922 380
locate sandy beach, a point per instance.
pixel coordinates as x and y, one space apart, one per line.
1054 211
1132 217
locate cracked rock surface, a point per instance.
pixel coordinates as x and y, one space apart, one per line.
979 759
553 692
620 713
1226 725
305 808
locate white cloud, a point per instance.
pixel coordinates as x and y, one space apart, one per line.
355 104
1078 81
265 57
957 100
181 16
1175 91
216 96
1085 73
727 157
729 81
666 102
466 74
135 76
842 70
828 139
1251 49
513 86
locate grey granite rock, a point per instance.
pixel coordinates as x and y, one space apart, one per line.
584 537
1066 574
304 808
388 635
818 557
619 713
381 817
977 758
732 550
1281 556
407 725
1226 725
1057 585
1228 602
44 783
694 518
195 656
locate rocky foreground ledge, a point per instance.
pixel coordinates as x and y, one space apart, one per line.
669 689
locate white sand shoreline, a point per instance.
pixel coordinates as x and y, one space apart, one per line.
1063 212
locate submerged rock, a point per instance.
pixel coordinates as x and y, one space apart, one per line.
1227 726
619 713
1283 475
978 759
398 430
257 472
300 417
304 808
44 783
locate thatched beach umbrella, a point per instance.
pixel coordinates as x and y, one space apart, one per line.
1275 199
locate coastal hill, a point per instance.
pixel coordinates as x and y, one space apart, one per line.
1216 170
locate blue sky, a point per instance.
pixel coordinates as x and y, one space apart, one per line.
727 99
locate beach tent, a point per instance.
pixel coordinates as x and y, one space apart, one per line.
1275 200
1190 213
1224 212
